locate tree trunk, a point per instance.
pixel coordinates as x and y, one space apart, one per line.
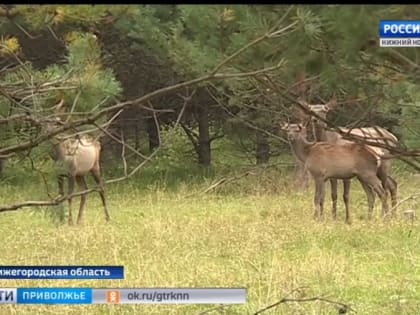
137 135
1 166
153 134
204 150
262 148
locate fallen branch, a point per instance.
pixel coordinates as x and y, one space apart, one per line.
343 308
222 181
413 196
40 203
227 180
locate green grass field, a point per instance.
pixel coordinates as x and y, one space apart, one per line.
257 232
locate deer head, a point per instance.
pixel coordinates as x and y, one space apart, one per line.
294 130
322 109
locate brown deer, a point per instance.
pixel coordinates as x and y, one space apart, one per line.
339 161
79 156
301 175
371 134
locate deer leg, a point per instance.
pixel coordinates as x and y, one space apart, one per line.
319 197
61 184
388 183
383 195
333 183
82 185
377 186
322 199
370 195
392 186
383 176
71 189
346 198
97 176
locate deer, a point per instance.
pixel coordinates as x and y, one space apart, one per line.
78 156
301 175
345 161
372 134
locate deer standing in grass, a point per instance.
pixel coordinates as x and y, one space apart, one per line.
79 156
371 134
339 161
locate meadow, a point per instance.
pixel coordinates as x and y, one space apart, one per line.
256 232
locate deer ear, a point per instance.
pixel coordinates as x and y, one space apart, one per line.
284 126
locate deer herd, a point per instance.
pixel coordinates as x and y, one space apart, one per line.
331 157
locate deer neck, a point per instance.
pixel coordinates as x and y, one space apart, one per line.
320 133
301 148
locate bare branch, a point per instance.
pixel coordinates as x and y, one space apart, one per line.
24 30
192 136
226 181
215 137
411 197
75 101
395 52
123 153
157 110
122 142
343 308
186 99
103 127
53 33
54 202
93 117
158 127
247 123
135 170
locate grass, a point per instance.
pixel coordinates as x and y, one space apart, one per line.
257 233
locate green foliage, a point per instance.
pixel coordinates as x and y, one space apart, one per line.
411 113
253 213
175 151
39 17
142 24
93 82
311 23
82 82
82 50
337 43
83 76
36 17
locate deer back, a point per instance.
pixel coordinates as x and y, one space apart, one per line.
341 160
375 134
79 155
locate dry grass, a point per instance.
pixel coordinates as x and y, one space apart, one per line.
248 235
